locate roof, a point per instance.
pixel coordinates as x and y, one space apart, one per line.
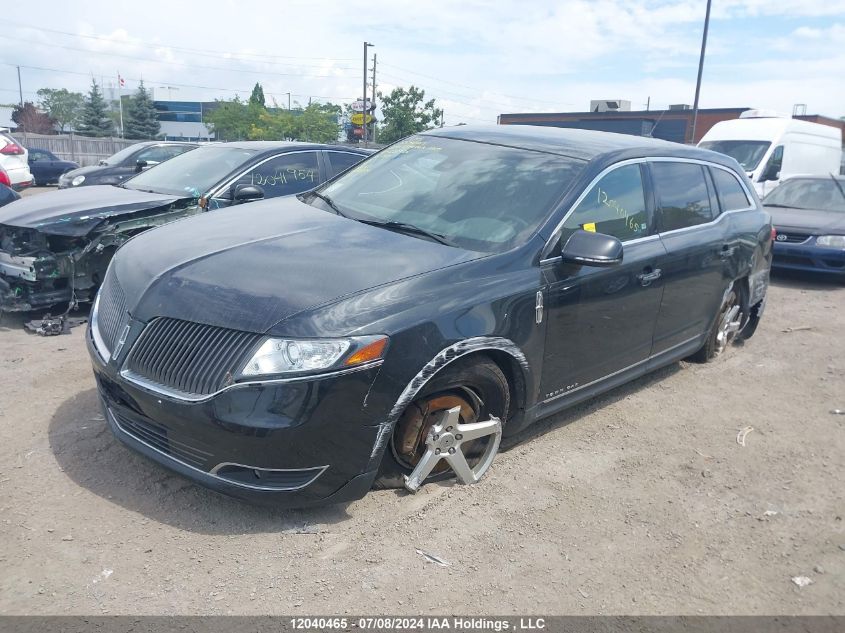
265 146
575 143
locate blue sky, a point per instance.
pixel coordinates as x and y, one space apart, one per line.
478 59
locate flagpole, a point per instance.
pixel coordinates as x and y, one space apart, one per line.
120 103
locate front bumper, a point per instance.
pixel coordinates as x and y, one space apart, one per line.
30 283
808 257
287 444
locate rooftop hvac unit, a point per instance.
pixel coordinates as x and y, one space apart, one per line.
610 105
679 106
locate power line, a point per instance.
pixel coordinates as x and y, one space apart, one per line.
171 83
501 104
172 63
207 52
438 79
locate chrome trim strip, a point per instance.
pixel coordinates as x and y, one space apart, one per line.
624 369
636 161
322 469
99 343
190 398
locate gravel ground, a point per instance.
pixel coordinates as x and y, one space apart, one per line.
638 502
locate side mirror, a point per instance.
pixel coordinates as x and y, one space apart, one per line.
141 165
247 193
592 249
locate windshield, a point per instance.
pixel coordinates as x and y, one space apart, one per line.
818 194
122 155
746 153
479 196
192 173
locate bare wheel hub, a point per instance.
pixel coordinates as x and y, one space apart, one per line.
730 323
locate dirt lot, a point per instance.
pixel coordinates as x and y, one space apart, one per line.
641 501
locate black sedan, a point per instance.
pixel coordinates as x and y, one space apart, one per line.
55 247
394 324
46 167
809 216
124 164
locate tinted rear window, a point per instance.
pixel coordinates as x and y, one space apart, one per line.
731 194
682 194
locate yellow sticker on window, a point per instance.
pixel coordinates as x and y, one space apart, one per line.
590 226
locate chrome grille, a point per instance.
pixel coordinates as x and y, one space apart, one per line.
791 238
111 313
190 358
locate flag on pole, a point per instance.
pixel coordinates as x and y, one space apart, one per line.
121 81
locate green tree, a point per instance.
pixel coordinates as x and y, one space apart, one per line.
63 106
405 112
140 117
31 119
233 120
316 123
95 119
257 96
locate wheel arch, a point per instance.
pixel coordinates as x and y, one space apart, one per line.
503 352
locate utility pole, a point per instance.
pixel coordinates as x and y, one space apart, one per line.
364 93
20 89
648 104
288 102
700 69
373 103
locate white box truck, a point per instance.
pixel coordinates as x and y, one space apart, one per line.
771 148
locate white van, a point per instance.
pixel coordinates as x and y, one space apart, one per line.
771 148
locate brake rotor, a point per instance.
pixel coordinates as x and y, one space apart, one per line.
412 429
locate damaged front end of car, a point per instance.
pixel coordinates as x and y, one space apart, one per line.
64 262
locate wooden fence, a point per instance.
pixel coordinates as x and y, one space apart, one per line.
85 150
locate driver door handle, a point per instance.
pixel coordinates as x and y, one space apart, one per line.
648 275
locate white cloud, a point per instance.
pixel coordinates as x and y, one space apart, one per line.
478 58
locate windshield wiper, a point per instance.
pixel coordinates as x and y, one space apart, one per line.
393 225
781 206
329 202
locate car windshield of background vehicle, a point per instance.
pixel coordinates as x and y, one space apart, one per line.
746 153
193 173
820 194
478 196
119 157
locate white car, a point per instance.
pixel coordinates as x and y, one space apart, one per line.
14 159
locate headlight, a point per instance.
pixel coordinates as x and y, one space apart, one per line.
77 180
831 241
278 356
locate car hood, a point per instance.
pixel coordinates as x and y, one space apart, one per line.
77 211
812 221
250 267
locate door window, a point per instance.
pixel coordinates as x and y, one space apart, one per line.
614 206
284 175
683 198
341 161
773 167
731 194
36 155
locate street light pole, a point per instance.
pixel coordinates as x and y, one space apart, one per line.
700 69
364 93
373 102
